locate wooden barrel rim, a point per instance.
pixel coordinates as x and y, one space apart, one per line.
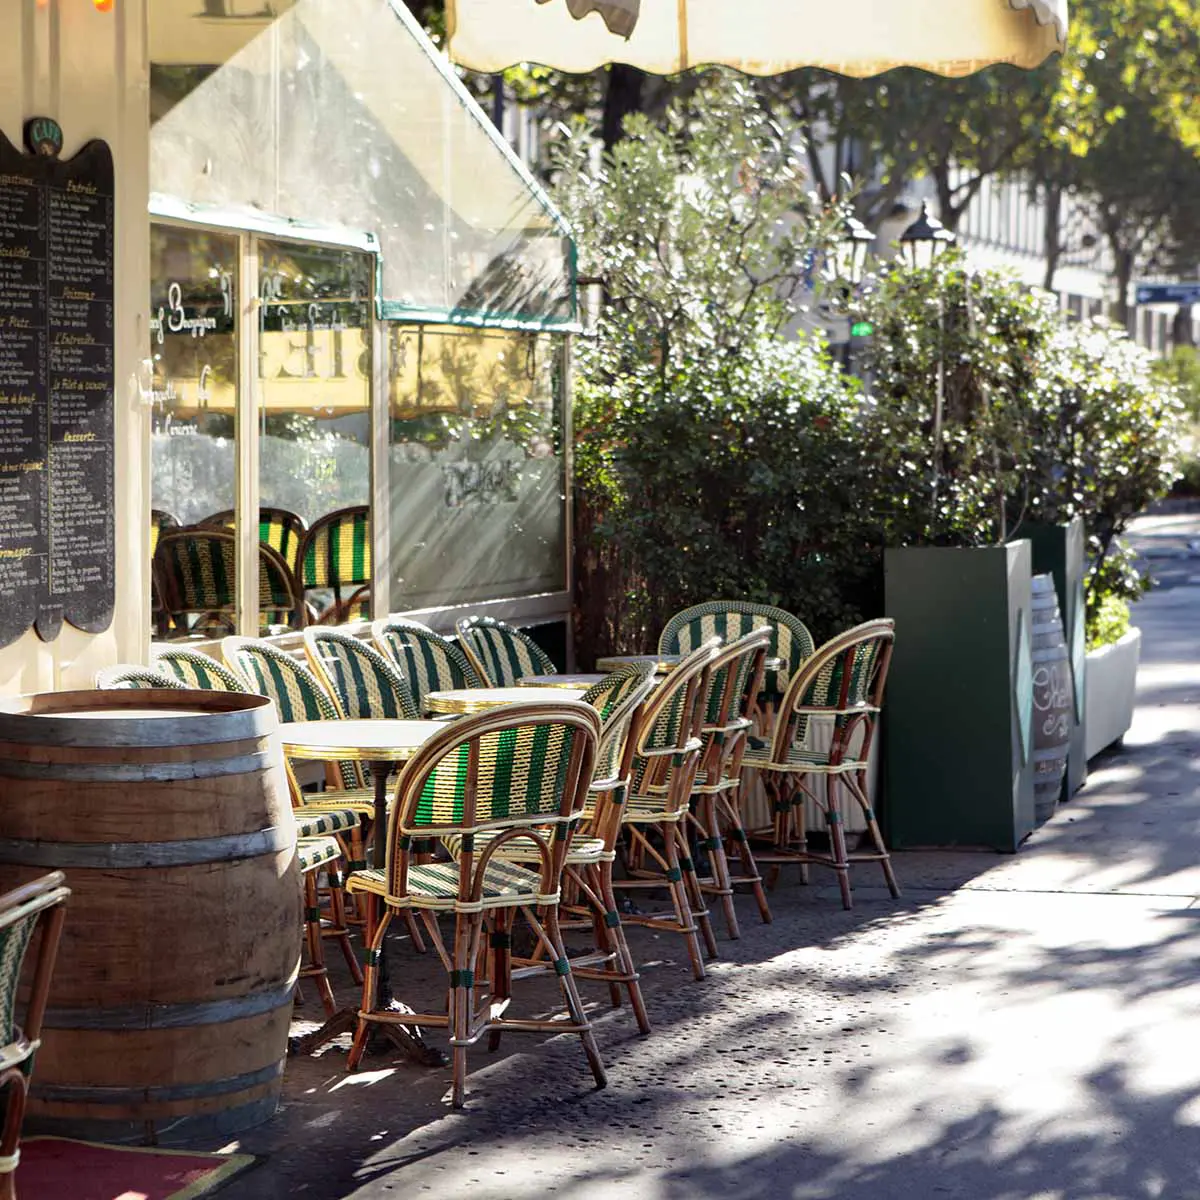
229 717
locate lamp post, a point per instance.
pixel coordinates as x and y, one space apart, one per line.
922 244
850 260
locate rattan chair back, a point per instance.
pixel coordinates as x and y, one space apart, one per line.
23 911
298 694
791 641
735 678
361 681
617 698
279 528
519 770
336 556
130 677
160 522
196 670
195 570
428 661
845 679
500 653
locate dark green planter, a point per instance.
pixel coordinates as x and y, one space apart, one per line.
959 719
1058 550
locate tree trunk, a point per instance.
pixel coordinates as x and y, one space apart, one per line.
1182 330
624 96
1051 239
1122 313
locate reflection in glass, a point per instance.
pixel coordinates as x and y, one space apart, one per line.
314 424
476 468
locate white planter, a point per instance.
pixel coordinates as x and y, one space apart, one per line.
1110 692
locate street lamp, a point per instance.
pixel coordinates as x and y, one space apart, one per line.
924 241
850 251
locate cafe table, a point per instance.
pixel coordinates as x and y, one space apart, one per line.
560 682
663 663
382 745
461 701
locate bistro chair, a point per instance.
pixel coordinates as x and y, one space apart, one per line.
314 855
501 654
666 758
279 528
790 643
126 677
844 679
195 670
159 520
429 662
37 906
589 863
300 696
361 681
196 569
513 772
734 681
336 558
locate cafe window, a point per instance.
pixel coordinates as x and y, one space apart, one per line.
476 491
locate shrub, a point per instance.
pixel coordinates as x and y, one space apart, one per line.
1108 622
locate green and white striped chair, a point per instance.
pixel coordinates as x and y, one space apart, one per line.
735 679
500 654
791 643
361 681
844 679
300 696
23 911
128 677
428 661
279 528
666 757
336 559
589 864
514 772
314 855
196 670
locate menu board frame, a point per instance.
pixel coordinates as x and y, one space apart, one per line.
57 374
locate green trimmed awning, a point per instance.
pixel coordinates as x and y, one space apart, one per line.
342 114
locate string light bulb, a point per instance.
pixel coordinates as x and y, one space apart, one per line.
103 5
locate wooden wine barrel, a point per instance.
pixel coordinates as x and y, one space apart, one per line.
169 812
1053 699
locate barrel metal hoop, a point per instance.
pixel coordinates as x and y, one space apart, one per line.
119 856
173 1016
154 772
220 725
65 1094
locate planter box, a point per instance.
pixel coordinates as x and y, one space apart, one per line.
959 736
1111 689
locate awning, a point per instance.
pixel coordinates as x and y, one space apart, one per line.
761 37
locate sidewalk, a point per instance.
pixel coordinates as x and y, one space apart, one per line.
1016 1027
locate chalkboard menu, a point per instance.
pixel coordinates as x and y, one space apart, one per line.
56 386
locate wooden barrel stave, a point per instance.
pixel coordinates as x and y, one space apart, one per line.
1053 698
173 997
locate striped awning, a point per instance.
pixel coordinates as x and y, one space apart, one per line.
761 37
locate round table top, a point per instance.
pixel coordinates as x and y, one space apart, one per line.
663 663
461 701
361 741
582 680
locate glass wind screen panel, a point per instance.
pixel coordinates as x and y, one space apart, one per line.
336 114
315 417
193 330
477 507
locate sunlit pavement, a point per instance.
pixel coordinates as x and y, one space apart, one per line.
1016 1027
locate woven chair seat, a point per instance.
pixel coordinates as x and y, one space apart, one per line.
358 800
314 852
314 821
815 762
583 851
435 886
649 810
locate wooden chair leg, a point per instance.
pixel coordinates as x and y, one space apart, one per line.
340 932
314 968
462 1000
691 883
748 871
679 897
612 920
715 845
14 1088
500 961
837 839
377 925
857 786
571 995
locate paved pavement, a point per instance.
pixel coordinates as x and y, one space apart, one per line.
1017 1027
